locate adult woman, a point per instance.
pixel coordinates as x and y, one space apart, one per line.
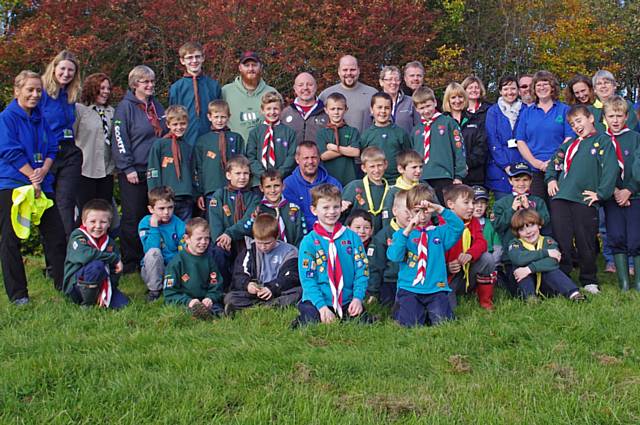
27 150
501 129
93 136
403 113
455 103
605 85
542 128
137 124
579 91
61 81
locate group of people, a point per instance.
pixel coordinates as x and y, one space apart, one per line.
230 199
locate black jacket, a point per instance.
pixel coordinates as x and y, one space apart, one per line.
476 147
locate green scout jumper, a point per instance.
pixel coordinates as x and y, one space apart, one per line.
355 193
161 170
594 168
446 152
381 269
80 253
284 142
191 276
598 115
295 226
503 212
538 260
629 146
392 140
342 168
208 170
489 233
221 210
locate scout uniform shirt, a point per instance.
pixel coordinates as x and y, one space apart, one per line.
404 250
343 167
392 140
367 196
223 216
191 276
593 167
208 162
446 152
313 257
295 226
284 143
381 269
628 147
598 117
80 253
535 256
162 167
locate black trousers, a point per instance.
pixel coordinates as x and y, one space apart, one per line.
67 170
53 239
539 187
134 201
89 188
571 222
438 185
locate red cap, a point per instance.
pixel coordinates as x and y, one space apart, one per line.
249 55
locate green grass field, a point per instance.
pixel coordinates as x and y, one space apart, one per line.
550 363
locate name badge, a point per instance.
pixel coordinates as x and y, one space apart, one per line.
67 133
512 143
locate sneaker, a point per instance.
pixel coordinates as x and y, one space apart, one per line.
21 301
153 295
230 310
592 288
577 297
610 268
199 311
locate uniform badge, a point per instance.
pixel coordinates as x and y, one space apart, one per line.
166 161
75 245
458 145
289 118
384 135
227 210
310 274
417 132
437 241
316 242
168 282
359 264
441 285
349 250
385 214
412 264
593 151
305 263
596 145
213 278
601 152
389 240
370 251
321 269
185 277
211 154
213 203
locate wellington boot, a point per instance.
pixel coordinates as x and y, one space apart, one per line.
622 269
636 266
485 295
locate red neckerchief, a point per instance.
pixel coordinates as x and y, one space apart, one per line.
175 153
571 152
268 148
104 295
334 269
152 115
617 148
305 111
427 135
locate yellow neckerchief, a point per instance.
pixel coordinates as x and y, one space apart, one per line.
403 184
598 104
394 224
367 192
466 244
537 247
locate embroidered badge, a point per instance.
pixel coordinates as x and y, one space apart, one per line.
389 240
349 250
166 161
289 118
321 269
305 263
75 245
384 135
168 282
412 264
441 284
227 210
213 278
316 242
385 214
213 203
458 145
211 154
437 241
310 274
370 251
185 277
593 151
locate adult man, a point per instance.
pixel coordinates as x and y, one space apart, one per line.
413 77
244 93
358 95
307 175
524 88
306 114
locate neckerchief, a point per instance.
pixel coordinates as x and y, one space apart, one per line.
104 296
427 135
466 244
537 247
175 153
403 184
268 148
152 115
238 208
196 95
334 269
222 147
571 152
105 124
367 192
277 207
617 148
336 128
394 224
301 109
475 108
423 242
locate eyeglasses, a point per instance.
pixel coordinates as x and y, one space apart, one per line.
146 82
604 83
193 58
391 80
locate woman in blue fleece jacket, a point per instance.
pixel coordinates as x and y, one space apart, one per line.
61 83
27 151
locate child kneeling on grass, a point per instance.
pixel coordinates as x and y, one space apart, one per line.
93 264
332 265
536 260
422 295
192 277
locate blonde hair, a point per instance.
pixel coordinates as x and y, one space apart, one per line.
423 94
52 86
372 153
419 193
473 79
615 103
175 112
218 105
325 191
190 47
271 97
454 89
22 77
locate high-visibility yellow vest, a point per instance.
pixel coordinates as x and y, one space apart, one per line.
27 209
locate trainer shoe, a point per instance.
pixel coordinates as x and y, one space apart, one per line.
577 297
153 295
21 301
230 310
592 288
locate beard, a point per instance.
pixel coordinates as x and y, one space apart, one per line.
252 79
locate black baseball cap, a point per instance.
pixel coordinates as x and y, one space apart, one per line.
249 55
480 192
520 168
